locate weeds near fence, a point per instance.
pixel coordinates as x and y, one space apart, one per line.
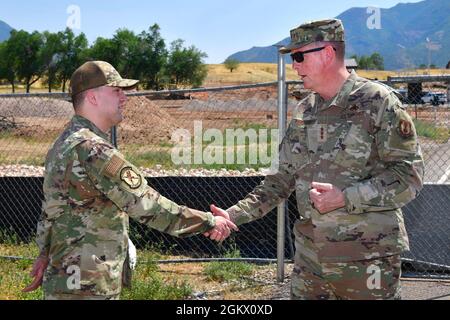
227 271
9 238
428 130
148 284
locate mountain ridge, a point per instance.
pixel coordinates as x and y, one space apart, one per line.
401 40
5 30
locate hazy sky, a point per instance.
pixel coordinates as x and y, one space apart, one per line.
217 27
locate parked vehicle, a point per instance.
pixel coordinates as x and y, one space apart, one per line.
441 97
434 98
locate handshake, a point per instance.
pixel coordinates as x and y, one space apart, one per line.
223 227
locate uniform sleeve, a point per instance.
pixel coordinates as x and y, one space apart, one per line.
124 184
43 232
274 189
400 169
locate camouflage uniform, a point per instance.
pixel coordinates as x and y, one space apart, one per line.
364 142
90 192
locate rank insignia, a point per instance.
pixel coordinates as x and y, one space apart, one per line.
130 177
322 133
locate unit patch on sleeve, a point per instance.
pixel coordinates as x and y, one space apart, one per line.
130 177
405 129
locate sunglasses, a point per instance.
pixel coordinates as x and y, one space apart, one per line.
299 55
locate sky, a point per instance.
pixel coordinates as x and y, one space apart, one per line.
217 27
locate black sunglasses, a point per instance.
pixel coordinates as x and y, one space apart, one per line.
299 55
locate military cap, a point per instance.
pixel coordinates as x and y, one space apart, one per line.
94 74
320 30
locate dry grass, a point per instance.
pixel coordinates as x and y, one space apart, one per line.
253 73
266 72
246 73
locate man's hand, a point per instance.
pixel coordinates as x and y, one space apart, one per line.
326 197
223 227
39 267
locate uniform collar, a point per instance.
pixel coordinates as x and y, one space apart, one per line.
82 123
341 98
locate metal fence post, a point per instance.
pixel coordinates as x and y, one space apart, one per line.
281 210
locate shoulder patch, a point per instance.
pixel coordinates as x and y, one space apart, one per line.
113 166
405 129
131 178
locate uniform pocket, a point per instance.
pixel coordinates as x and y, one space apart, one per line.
355 149
101 268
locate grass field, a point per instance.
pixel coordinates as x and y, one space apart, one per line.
151 281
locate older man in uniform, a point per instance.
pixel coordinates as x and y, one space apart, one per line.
352 156
91 190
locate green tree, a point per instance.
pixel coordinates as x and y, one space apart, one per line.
121 51
27 49
377 61
7 62
373 62
51 55
140 56
185 65
154 55
231 64
103 49
125 45
73 54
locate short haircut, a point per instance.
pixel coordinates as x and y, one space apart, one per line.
78 99
338 45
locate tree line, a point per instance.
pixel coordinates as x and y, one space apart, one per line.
53 57
372 62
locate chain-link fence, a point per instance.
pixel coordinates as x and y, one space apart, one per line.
427 99
189 144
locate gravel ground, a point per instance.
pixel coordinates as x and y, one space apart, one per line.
412 289
32 171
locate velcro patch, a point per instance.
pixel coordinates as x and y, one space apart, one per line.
131 178
113 166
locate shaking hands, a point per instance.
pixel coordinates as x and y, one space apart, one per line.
224 225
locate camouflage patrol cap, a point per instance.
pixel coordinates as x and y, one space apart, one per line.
320 30
94 74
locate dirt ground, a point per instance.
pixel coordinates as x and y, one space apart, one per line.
262 285
152 120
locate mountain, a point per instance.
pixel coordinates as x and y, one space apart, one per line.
401 40
4 31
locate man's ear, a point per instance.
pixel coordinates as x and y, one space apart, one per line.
330 54
91 96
